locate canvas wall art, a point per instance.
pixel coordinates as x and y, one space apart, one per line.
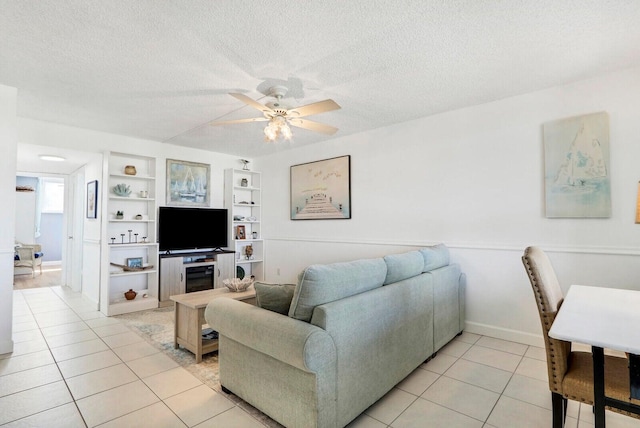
321 190
92 199
188 183
638 206
577 175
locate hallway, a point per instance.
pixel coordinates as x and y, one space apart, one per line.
51 276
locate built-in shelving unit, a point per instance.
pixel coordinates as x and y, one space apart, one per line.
243 197
129 236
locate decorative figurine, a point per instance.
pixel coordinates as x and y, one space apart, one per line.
130 295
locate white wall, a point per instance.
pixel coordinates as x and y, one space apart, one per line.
473 179
8 142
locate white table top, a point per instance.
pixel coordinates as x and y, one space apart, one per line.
604 317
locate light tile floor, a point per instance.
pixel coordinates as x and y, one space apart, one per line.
73 367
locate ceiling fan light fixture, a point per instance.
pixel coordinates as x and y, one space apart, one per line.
277 127
286 131
52 158
270 132
280 118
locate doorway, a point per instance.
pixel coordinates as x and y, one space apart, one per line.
45 213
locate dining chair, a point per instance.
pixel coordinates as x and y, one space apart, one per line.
570 373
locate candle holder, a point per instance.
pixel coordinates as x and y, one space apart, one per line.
113 241
122 238
130 230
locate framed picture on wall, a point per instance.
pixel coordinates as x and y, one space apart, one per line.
188 183
321 190
92 199
577 169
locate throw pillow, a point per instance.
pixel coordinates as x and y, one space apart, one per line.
274 297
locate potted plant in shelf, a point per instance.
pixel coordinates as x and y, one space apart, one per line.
119 215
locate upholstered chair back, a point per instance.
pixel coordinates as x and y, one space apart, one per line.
549 297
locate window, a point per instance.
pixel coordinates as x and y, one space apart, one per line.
52 195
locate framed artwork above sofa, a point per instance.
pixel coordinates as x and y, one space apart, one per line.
321 190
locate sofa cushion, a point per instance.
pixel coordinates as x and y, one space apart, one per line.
320 284
403 266
274 297
435 257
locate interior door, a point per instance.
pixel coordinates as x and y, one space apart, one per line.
74 208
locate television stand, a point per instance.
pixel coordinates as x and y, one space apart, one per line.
173 270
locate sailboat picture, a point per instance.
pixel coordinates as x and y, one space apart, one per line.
187 183
577 178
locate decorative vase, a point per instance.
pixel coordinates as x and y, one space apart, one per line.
130 295
130 170
244 182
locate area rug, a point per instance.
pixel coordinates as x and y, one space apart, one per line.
156 327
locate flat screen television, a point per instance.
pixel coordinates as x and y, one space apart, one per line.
185 228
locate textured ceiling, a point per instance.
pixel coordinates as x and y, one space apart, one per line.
162 69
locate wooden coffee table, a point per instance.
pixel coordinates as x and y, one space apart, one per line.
189 318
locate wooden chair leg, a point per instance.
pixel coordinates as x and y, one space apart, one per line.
559 409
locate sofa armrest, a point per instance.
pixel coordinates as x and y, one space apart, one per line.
294 342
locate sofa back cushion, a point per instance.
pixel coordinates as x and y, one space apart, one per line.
435 257
320 284
403 266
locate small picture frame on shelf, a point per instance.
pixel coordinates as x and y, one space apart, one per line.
240 232
134 262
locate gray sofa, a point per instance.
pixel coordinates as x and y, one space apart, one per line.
353 331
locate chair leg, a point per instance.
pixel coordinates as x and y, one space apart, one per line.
559 409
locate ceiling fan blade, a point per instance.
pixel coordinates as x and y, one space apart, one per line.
314 108
228 122
251 102
313 126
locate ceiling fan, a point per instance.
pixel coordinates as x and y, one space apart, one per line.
280 117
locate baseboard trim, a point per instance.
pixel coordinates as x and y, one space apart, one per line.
91 301
6 346
504 334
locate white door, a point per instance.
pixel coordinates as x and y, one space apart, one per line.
74 208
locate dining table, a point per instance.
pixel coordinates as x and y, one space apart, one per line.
603 318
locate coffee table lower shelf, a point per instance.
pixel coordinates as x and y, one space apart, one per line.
189 318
